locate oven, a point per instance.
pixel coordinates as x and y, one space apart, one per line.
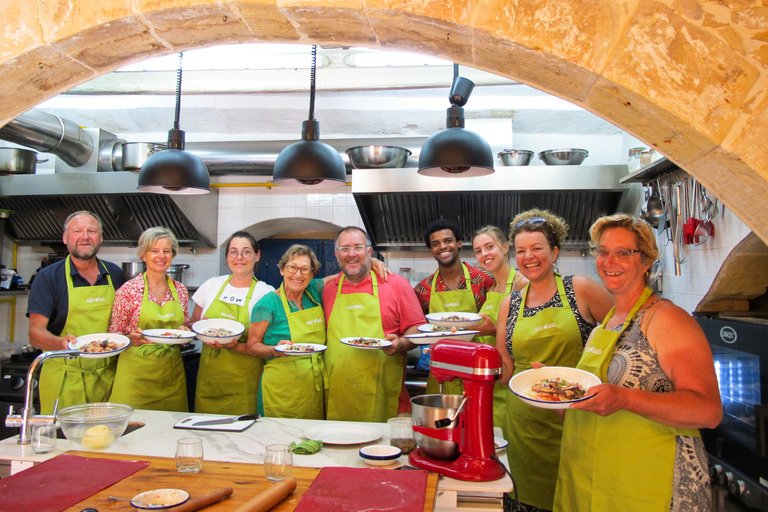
13 386
738 447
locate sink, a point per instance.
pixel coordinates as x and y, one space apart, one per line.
133 425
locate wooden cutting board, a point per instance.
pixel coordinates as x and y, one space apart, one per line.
247 480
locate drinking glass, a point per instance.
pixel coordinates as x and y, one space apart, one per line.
43 438
189 455
278 462
401 433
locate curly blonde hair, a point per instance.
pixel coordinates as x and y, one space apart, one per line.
646 240
551 226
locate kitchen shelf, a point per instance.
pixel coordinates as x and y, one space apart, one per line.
651 171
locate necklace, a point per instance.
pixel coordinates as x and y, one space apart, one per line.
293 304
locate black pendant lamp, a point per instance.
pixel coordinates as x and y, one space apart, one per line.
173 170
309 162
455 151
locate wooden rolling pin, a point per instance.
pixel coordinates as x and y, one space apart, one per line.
265 500
203 501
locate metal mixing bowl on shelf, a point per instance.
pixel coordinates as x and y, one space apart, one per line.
94 426
515 156
570 156
377 157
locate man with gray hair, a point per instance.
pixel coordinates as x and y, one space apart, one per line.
68 299
366 385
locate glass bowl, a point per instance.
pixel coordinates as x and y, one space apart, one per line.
94 426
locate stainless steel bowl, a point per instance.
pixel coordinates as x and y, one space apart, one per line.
515 156
425 410
571 156
377 157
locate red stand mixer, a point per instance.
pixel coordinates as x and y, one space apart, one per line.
462 447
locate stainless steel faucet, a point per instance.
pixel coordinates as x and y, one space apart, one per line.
27 416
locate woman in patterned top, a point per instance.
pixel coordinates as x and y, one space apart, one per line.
547 322
635 445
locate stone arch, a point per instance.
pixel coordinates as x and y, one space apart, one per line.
688 78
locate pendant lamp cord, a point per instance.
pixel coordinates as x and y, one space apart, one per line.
178 93
312 84
455 70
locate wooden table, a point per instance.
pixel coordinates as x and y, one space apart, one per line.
247 480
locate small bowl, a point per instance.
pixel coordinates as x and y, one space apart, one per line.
380 454
570 156
203 327
94 426
515 156
377 157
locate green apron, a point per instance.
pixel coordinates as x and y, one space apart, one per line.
364 385
241 372
551 337
79 381
294 386
152 376
453 301
491 308
618 462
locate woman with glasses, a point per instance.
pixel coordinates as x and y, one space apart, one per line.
635 445
492 253
547 322
233 297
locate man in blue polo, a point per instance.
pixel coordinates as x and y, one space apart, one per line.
68 299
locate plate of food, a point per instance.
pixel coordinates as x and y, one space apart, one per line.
457 320
168 336
339 433
436 328
97 346
160 498
553 387
427 338
300 349
221 330
361 342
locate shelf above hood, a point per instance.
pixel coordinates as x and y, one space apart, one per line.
397 205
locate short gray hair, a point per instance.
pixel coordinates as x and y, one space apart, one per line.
149 238
299 250
83 212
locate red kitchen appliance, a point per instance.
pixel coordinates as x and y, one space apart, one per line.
471 430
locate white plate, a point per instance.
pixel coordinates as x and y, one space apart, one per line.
500 443
427 338
176 337
433 328
467 319
521 384
380 343
338 433
160 498
82 341
315 349
235 327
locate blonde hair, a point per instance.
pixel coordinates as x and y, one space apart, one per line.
149 238
299 250
492 231
646 240
554 228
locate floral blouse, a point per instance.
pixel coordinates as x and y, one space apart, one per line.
127 307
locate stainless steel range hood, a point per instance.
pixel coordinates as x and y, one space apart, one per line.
41 203
398 204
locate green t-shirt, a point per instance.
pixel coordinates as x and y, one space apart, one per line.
270 308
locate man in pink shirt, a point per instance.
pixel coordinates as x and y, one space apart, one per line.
366 384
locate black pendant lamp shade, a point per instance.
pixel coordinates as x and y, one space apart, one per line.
173 170
309 162
455 151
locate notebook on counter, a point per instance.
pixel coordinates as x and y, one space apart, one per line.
190 423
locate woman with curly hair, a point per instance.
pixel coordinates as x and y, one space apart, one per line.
547 322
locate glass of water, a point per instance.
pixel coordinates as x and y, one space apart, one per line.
189 455
278 462
43 438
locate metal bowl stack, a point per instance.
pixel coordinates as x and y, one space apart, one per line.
515 156
378 157
570 156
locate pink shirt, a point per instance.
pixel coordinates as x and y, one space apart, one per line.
127 307
400 309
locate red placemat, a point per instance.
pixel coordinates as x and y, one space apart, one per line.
61 482
372 490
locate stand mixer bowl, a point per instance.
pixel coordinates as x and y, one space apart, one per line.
426 409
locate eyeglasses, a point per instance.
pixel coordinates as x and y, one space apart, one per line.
533 221
619 254
357 248
245 253
292 269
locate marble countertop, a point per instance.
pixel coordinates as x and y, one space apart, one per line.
158 438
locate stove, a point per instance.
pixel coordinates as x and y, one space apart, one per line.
13 385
